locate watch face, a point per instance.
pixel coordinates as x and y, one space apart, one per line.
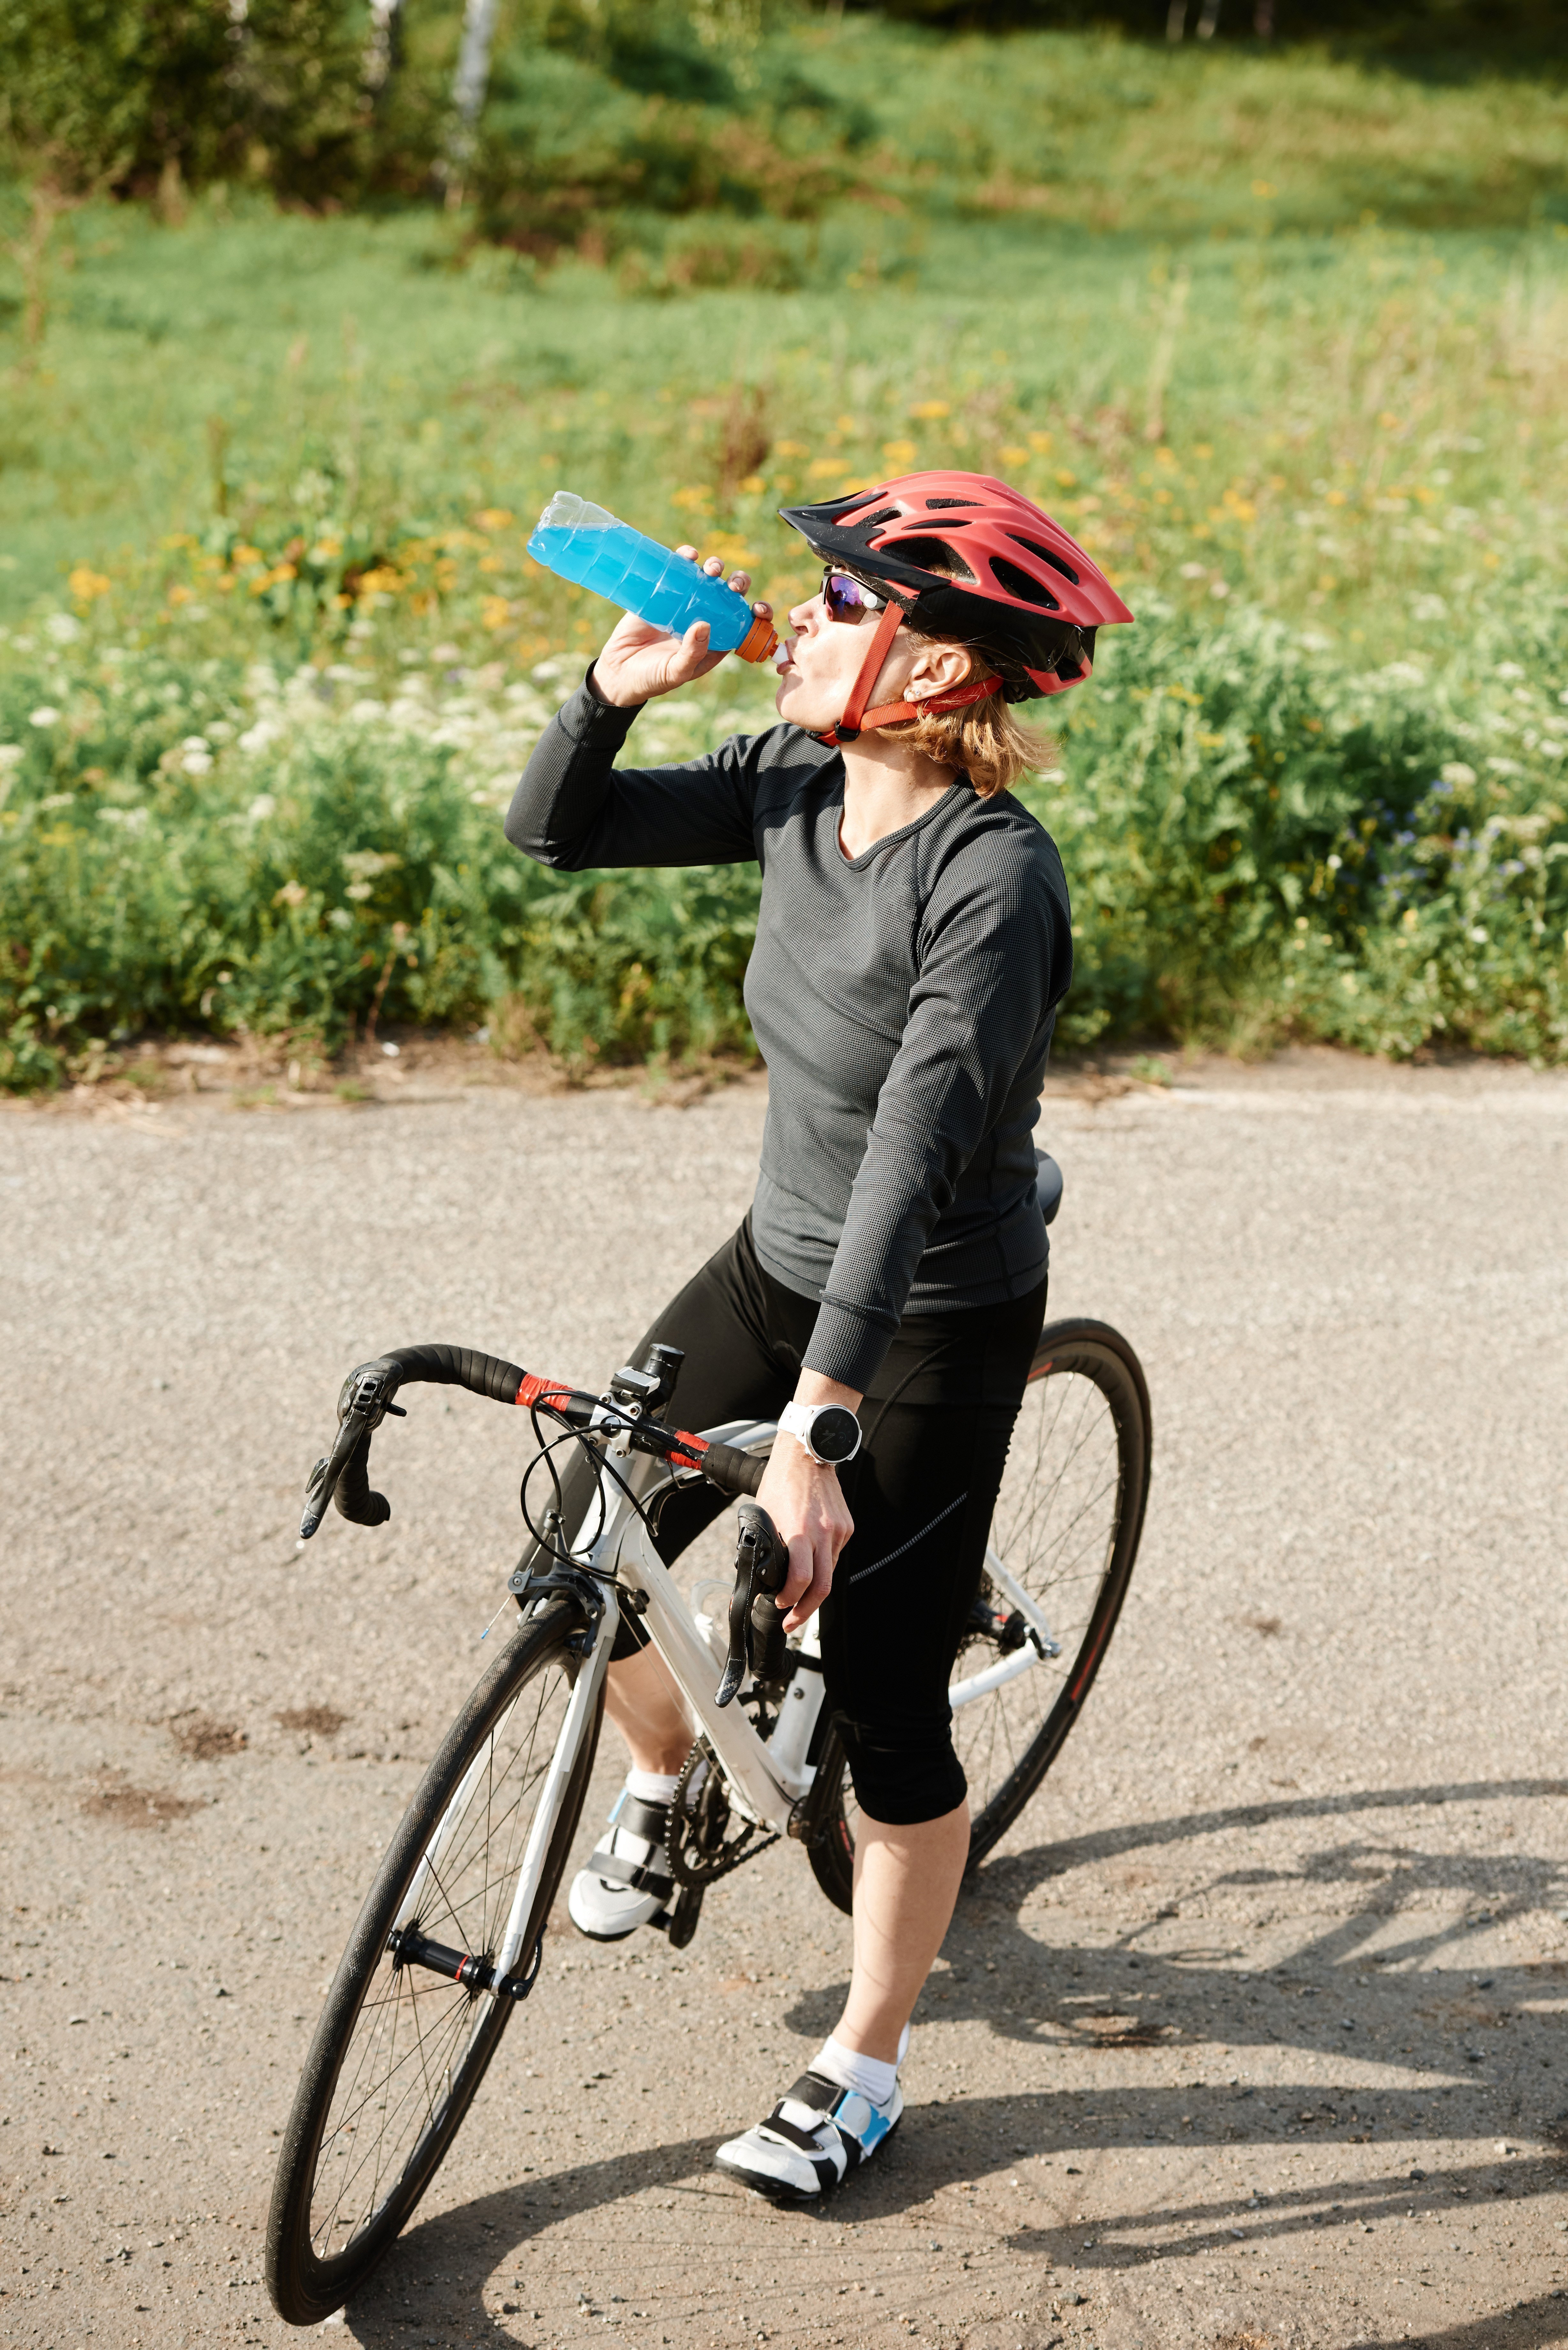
835 1433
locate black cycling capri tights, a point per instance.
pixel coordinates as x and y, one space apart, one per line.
936 1424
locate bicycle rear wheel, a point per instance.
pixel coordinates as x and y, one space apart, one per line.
402 2046
1065 1532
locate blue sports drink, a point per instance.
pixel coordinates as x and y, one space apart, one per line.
582 542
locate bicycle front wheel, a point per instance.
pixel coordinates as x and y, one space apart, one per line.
402 2044
1063 1537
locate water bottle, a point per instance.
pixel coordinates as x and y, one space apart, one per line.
581 542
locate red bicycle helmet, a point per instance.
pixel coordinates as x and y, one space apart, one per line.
1023 587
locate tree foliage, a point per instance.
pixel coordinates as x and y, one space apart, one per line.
135 94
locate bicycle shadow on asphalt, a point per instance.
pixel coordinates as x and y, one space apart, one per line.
941 2148
1123 1997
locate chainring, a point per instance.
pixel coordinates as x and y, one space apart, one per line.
697 1849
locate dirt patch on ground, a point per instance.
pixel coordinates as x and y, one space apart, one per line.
202 1739
116 1799
311 1720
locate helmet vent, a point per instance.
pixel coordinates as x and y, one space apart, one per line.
875 521
1017 582
931 555
932 503
1046 556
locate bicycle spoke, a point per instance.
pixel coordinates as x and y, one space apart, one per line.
1054 1527
413 2031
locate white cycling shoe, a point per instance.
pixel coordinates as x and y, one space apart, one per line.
815 2137
627 1883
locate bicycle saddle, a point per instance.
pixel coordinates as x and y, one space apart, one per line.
1048 1185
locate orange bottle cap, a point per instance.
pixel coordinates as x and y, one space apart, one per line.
760 640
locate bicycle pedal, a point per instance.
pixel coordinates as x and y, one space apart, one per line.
680 1920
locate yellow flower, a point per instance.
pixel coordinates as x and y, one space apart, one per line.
492 563
828 469
492 518
1015 456
86 583
1040 442
899 453
382 581
730 548
793 448
494 612
180 593
754 485
1263 188
696 496
928 410
1066 481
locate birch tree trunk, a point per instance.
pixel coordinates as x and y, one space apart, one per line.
469 89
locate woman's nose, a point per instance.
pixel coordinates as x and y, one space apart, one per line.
801 614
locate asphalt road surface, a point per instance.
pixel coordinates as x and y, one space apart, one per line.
1251 2035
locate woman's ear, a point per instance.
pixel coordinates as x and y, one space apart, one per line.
937 669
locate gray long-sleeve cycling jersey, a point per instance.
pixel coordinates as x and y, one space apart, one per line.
903 1001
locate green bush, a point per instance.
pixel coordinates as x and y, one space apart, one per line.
1260 838
1259 844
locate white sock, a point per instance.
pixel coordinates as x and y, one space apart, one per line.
652 1786
871 2075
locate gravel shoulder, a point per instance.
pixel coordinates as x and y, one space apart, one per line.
1251 2036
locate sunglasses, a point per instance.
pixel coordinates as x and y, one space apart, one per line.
843 598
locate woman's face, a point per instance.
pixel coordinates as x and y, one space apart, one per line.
820 660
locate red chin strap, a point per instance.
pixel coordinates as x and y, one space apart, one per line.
856 718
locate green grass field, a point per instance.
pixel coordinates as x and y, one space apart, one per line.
262 472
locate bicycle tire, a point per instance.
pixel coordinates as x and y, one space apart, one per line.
1078 1351
447 2033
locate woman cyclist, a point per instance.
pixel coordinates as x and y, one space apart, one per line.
882 1297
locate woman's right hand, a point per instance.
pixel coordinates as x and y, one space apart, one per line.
640 661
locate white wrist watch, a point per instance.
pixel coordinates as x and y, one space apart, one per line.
828 1431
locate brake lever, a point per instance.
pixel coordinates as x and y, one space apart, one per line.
756 1626
363 1402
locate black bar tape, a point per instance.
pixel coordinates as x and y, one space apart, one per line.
732 1470
457 1367
353 1496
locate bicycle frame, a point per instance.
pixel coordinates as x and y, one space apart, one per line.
768 1780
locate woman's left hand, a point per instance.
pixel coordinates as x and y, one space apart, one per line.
804 1499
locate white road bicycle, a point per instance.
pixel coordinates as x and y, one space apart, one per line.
450 1940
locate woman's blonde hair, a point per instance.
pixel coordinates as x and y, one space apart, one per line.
983 738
